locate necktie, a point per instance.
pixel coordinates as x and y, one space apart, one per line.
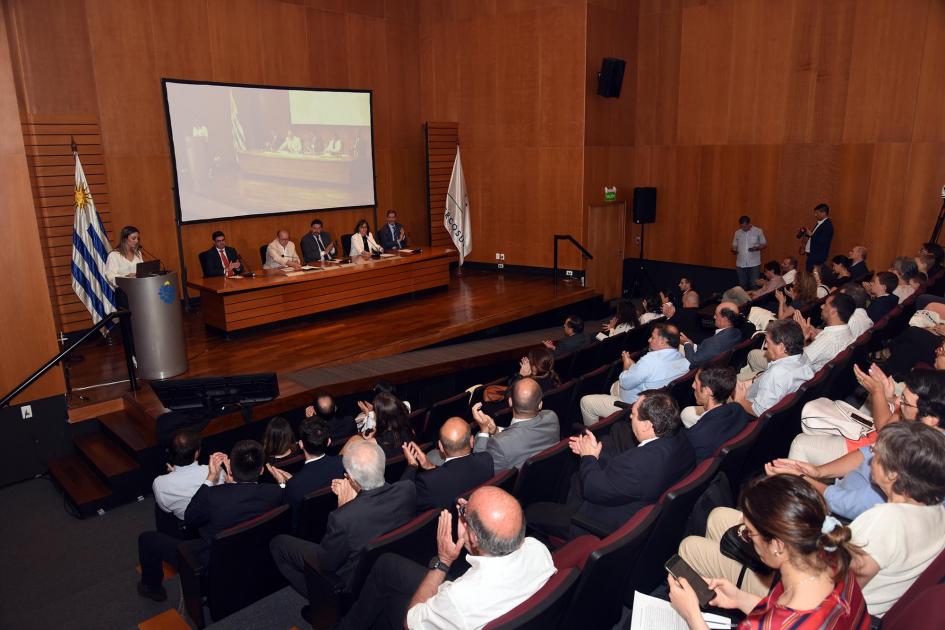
225 262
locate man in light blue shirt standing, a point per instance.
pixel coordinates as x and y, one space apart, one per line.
747 244
659 367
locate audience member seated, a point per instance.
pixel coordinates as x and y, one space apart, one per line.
609 488
506 568
319 469
173 491
922 398
539 365
822 288
340 426
789 269
531 430
727 336
381 387
214 507
798 296
367 508
882 301
362 241
687 318
281 253
317 244
840 274
935 250
786 371
461 470
279 441
906 273
858 269
715 420
386 422
392 234
574 337
860 321
787 524
657 368
685 288
626 318
772 282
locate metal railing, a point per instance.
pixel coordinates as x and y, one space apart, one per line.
567 237
65 354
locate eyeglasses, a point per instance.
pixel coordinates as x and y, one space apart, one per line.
745 534
905 403
461 510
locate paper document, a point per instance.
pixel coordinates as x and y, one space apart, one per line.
388 255
652 613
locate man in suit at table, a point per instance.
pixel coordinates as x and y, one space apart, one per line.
608 489
220 260
817 245
392 234
461 470
317 244
531 431
574 337
319 468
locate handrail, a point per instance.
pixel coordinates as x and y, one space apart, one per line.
567 237
68 351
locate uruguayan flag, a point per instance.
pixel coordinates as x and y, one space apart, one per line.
89 251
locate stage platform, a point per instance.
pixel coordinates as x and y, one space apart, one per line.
350 341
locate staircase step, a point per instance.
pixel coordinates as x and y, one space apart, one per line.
130 428
80 482
105 455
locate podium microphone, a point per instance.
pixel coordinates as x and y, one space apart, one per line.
163 268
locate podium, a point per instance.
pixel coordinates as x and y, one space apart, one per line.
157 325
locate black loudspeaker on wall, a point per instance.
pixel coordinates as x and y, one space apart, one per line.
610 77
644 205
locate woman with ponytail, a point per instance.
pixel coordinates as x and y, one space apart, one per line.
787 522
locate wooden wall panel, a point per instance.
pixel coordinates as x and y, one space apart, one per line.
442 140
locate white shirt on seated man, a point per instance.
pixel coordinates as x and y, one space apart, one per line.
281 253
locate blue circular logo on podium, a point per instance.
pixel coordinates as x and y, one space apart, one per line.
167 293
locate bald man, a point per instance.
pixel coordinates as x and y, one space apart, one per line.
531 431
506 568
726 337
687 318
461 470
281 253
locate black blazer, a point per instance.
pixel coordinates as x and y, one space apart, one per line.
689 321
572 343
820 243
212 265
216 508
881 306
352 526
386 240
438 488
310 250
722 341
312 476
859 271
614 488
715 428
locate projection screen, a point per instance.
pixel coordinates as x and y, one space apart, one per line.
244 150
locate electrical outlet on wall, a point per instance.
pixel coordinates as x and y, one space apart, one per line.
501 256
26 411
501 266
569 273
498 256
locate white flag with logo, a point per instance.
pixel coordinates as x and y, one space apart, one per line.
89 252
456 217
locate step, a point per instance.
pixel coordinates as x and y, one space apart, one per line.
108 457
80 482
131 428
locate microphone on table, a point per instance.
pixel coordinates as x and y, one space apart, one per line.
163 268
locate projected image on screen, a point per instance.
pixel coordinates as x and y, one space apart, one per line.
248 150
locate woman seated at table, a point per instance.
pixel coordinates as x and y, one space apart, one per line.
787 523
362 241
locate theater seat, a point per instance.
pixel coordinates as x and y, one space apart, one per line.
240 570
346 244
927 593
545 476
262 253
313 514
734 453
558 400
543 609
681 389
442 411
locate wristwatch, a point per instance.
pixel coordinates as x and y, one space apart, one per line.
437 564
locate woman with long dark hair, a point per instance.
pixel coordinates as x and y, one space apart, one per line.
362 241
123 260
279 441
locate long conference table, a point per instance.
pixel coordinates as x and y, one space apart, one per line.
275 295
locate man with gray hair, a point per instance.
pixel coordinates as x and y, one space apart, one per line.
506 568
367 507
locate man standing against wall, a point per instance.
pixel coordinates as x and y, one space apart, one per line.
747 244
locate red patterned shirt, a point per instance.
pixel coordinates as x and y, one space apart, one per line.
843 609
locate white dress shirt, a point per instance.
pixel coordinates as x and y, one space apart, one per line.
782 377
744 240
489 589
859 323
116 266
279 255
830 342
173 491
807 244
789 276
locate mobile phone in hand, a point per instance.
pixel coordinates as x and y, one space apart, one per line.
679 568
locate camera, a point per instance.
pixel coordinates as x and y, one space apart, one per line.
801 232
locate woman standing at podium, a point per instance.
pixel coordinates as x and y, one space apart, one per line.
123 262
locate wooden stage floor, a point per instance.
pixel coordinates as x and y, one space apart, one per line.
476 300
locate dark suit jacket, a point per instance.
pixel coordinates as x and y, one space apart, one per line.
881 306
216 508
572 343
689 321
820 243
352 526
312 476
859 271
615 488
722 341
386 239
715 428
310 251
438 488
212 265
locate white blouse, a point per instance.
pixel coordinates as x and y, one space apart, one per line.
117 265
